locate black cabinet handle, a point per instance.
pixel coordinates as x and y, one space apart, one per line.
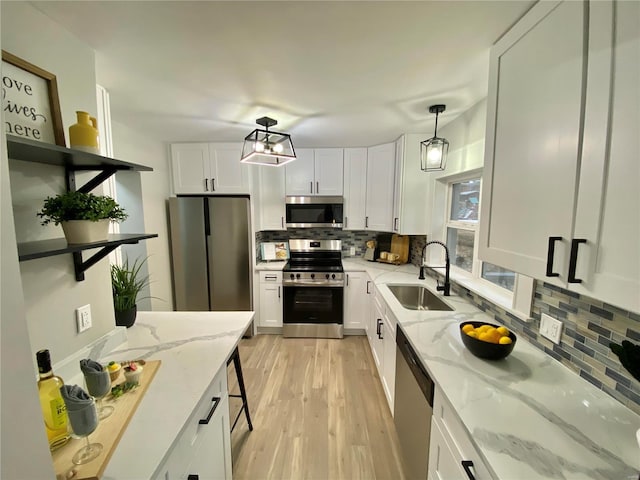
278 292
368 283
282 221
346 222
192 476
468 465
395 224
573 259
311 187
205 421
366 222
206 184
213 184
379 327
347 279
550 254
317 187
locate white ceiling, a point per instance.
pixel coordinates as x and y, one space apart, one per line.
332 73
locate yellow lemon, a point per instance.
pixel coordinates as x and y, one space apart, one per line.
505 341
503 331
472 334
467 328
485 337
483 328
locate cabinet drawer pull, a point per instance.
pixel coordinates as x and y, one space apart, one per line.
550 253
310 187
573 259
270 277
468 465
366 222
205 421
368 283
206 184
347 279
378 327
193 476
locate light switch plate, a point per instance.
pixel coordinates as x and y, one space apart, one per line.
551 328
83 318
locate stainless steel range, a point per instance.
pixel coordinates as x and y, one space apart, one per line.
313 283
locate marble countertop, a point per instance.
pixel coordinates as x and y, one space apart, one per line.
192 346
529 416
274 265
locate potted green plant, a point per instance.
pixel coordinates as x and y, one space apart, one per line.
84 217
126 284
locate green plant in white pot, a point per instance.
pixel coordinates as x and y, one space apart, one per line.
126 284
84 217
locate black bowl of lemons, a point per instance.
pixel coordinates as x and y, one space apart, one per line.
486 340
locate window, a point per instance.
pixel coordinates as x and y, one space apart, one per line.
461 234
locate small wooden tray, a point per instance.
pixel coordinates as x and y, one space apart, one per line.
109 430
390 262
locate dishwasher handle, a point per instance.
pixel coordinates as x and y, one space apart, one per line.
423 379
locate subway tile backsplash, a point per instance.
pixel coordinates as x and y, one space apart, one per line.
589 327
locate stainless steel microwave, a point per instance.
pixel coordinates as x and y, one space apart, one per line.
319 211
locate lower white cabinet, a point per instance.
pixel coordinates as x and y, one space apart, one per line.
452 455
203 448
270 299
382 340
355 300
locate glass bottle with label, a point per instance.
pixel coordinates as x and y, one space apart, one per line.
53 408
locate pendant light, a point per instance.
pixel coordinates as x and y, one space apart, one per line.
262 147
433 152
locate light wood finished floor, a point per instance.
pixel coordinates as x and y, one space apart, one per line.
318 411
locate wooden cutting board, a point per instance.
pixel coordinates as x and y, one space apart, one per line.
108 433
400 245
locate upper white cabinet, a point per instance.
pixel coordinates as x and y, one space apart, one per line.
411 188
270 198
208 168
315 172
355 188
560 194
381 165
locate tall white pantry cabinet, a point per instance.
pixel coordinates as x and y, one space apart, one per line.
560 185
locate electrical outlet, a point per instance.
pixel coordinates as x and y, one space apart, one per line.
83 318
352 251
550 328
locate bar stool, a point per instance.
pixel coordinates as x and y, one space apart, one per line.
235 358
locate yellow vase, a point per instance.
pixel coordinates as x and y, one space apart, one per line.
83 135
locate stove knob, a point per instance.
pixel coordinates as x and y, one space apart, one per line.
333 276
327 275
291 276
297 275
313 275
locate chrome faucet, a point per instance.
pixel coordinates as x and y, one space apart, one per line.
447 284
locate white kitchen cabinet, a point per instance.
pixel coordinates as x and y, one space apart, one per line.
315 172
355 300
208 168
560 192
381 165
389 365
376 338
355 188
608 263
270 299
452 454
410 200
204 446
271 198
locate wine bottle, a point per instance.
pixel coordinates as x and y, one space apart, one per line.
53 408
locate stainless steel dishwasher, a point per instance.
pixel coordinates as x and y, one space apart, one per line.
413 408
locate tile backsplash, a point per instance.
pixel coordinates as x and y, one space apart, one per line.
589 326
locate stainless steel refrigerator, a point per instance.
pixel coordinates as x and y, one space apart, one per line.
210 253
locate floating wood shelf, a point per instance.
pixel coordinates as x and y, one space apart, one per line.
59 246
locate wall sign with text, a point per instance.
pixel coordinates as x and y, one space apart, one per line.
30 101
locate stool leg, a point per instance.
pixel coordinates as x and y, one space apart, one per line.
243 392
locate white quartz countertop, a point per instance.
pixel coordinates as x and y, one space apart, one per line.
192 346
274 265
529 416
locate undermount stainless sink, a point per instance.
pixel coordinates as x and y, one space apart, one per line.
416 297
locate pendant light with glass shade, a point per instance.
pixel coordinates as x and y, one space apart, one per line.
433 152
264 147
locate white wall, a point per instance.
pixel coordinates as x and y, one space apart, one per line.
135 147
51 293
466 153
